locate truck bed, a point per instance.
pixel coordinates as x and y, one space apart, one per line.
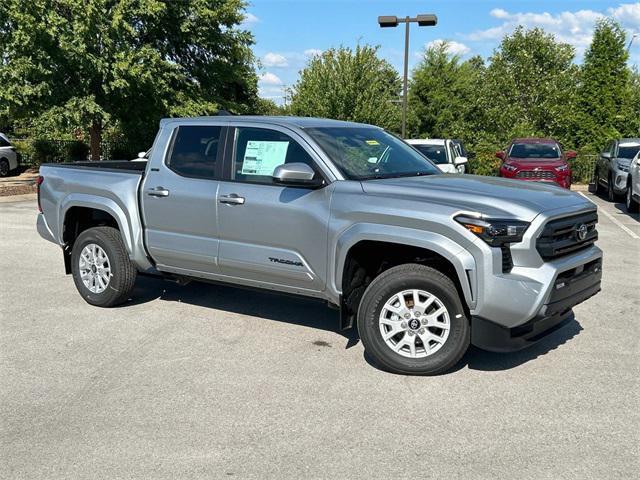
121 166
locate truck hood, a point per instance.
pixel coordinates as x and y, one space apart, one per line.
491 196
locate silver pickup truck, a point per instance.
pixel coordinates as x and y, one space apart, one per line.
423 263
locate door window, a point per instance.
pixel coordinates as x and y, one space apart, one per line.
194 152
258 151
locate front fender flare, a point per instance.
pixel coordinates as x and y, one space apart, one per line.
462 261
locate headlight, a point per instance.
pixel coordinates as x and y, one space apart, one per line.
562 168
623 167
495 232
509 167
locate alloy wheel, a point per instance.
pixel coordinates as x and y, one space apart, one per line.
95 269
414 323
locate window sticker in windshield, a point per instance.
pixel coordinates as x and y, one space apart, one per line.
262 157
372 142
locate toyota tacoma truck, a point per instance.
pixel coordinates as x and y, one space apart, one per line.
424 264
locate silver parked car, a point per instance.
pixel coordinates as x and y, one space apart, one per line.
424 264
612 167
9 157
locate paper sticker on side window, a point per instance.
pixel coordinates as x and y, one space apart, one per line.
262 157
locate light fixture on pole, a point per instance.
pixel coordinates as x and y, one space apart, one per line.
633 37
385 21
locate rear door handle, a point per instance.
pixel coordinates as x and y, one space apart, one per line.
231 199
158 192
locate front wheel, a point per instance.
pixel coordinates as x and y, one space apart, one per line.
5 168
411 321
102 271
632 205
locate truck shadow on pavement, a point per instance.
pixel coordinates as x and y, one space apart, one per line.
315 314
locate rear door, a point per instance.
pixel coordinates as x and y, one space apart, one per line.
271 234
179 200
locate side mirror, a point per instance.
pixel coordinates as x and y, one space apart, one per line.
460 161
295 175
500 155
606 155
571 154
142 154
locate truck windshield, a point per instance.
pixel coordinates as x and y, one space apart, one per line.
365 153
628 151
436 153
535 150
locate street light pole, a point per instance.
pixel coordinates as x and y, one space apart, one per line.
631 42
385 21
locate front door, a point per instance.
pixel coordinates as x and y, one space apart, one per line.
271 234
179 201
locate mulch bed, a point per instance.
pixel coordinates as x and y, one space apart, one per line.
17 190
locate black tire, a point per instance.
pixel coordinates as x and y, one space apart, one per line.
5 168
123 271
632 205
611 196
404 277
598 185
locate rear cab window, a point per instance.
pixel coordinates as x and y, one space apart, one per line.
195 150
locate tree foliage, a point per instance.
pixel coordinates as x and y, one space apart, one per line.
348 84
95 64
605 86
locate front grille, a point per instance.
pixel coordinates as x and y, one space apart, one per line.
507 261
545 174
561 237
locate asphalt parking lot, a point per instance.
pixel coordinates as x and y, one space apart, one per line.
205 381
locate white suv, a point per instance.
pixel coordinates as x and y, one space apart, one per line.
9 158
445 153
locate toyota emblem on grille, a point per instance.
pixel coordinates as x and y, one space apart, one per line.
581 231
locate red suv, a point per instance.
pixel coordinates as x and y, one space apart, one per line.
536 159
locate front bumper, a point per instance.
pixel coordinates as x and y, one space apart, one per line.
570 288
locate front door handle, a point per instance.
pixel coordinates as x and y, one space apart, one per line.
158 192
231 199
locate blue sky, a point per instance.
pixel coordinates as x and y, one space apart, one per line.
288 32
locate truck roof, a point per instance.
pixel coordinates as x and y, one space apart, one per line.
300 122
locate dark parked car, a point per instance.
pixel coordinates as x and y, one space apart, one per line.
536 159
612 166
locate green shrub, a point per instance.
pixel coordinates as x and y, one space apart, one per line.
76 151
44 151
484 160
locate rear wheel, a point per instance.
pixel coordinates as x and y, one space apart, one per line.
411 321
4 167
597 182
101 268
632 205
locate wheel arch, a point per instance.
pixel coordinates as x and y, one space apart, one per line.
457 262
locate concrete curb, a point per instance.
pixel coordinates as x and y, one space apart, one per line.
25 197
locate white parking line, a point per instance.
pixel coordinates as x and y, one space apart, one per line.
612 218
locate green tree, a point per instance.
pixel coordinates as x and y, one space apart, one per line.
96 64
348 84
529 88
604 86
443 94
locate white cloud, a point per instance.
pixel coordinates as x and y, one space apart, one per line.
312 52
453 47
574 28
269 78
249 19
274 60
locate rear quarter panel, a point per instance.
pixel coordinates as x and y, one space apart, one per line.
113 192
